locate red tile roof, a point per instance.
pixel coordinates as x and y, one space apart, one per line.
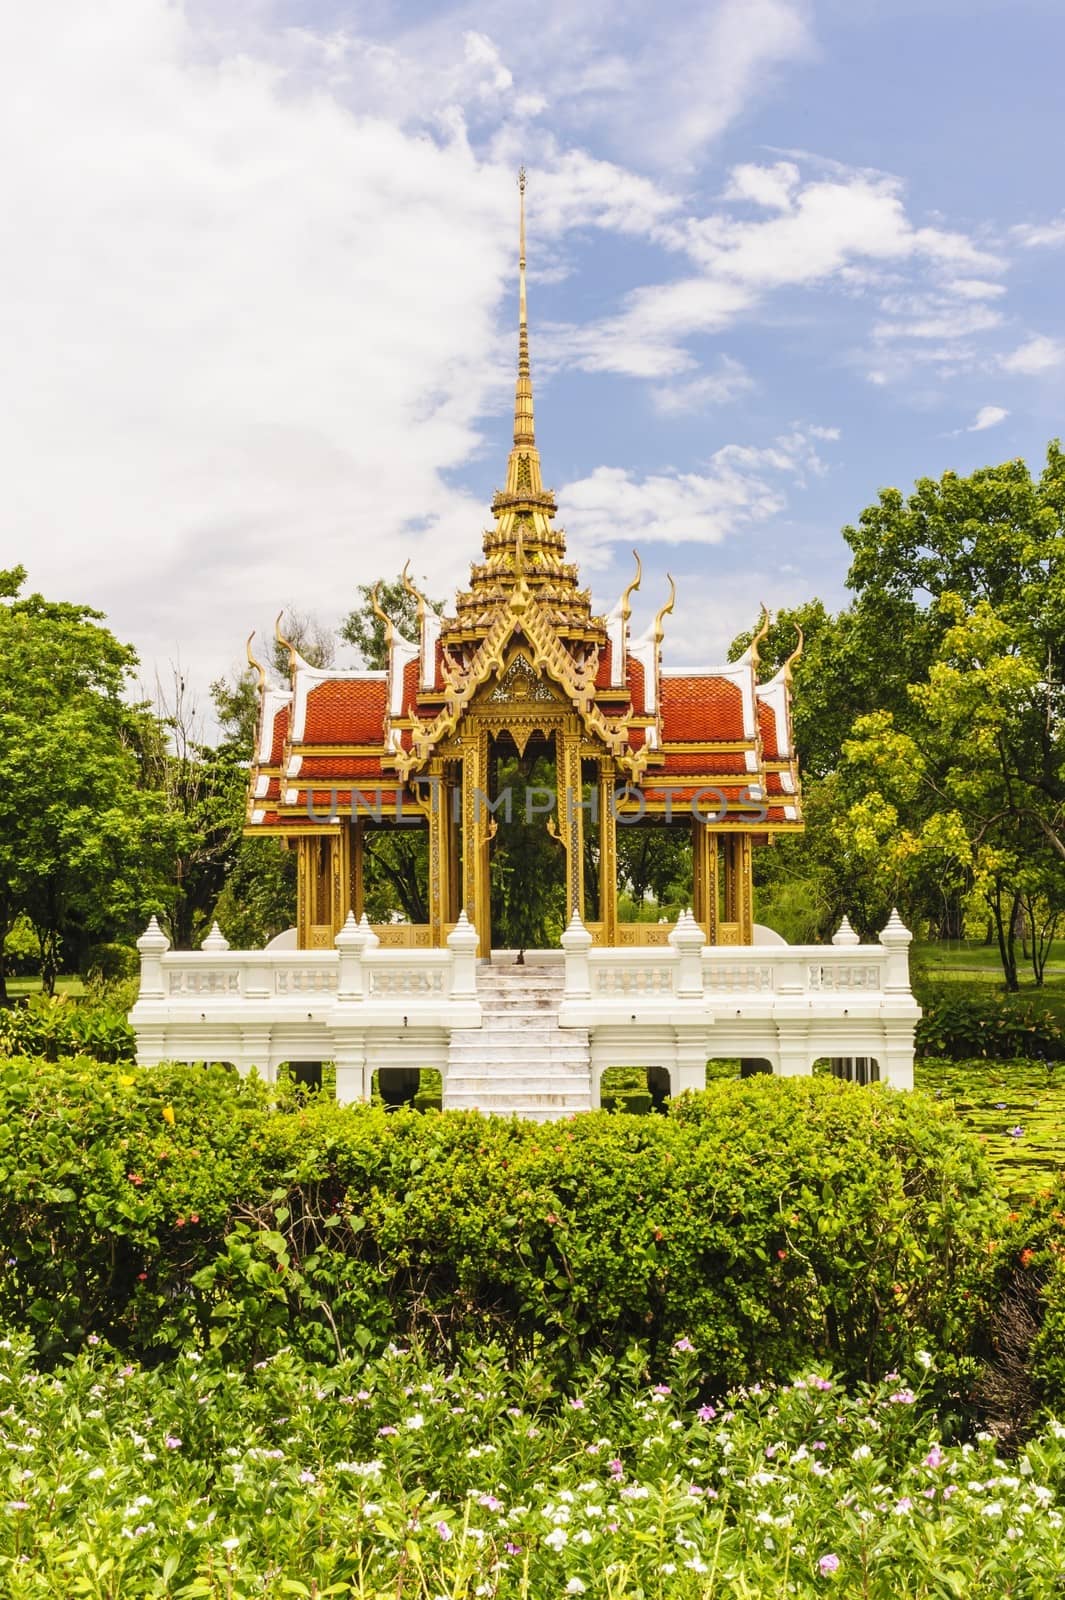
699 708
346 711
767 724
280 731
693 764
634 673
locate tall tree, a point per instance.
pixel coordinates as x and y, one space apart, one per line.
82 838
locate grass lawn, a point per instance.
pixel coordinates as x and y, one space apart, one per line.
19 988
965 958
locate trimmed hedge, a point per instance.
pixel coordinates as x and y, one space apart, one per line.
54 1026
772 1221
988 1026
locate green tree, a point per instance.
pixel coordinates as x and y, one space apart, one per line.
363 628
82 838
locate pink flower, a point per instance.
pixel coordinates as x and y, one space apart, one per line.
828 1563
443 1531
934 1458
173 1442
684 1347
512 1549
662 1388
616 1468
386 1433
706 1413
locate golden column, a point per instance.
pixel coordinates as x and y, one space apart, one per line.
358 867
439 820
475 885
608 852
704 878
739 889
570 791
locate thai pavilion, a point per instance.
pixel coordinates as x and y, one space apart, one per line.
523 671
522 663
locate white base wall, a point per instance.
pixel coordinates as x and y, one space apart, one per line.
531 1040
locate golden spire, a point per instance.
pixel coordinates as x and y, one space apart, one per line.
524 430
523 467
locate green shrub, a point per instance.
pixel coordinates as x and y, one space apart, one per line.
773 1221
107 962
987 1026
1025 1371
54 1026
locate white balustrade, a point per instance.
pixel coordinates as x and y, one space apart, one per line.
365 1006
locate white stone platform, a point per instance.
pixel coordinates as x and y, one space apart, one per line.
532 1039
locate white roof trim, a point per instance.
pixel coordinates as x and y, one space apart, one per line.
430 634
273 701
402 652
774 694
645 653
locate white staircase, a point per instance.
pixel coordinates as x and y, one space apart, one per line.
519 1062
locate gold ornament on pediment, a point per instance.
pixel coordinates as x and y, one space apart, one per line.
520 682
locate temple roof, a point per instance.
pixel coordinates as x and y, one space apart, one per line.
524 633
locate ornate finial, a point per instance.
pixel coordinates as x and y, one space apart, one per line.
416 594
795 654
626 609
659 633
256 666
382 616
293 653
760 634
524 432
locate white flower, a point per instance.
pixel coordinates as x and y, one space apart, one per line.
575 1586
230 1543
924 1359
992 1509
415 1421
557 1538
862 1453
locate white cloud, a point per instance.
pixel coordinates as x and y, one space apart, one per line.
645 340
1032 234
678 86
245 332
742 486
849 231
481 52
712 389
987 417
974 288
772 186
1036 355
944 323
574 189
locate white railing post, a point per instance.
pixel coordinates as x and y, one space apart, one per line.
349 942
462 942
576 942
687 939
153 945
845 934
896 940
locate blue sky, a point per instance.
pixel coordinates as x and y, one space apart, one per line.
258 291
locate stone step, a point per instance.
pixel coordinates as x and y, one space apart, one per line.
485 1075
520 1042
519 1104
